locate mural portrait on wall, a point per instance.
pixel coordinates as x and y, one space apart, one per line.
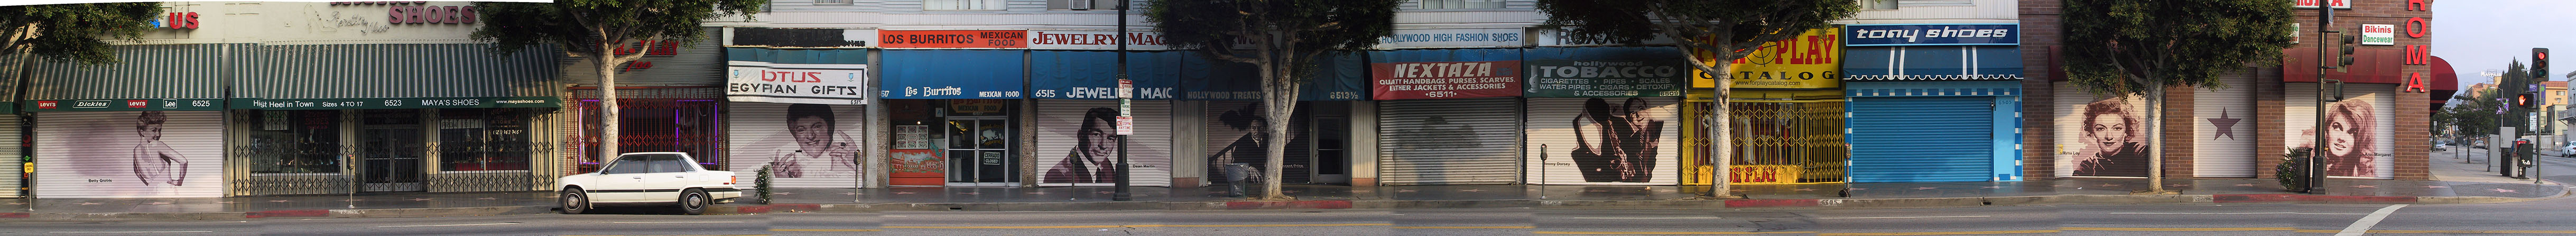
821 150
155 163
2351 148
1091 160
1248 119
2114 141
1616 143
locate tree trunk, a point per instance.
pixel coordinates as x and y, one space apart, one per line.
1721 138
2156 139
606 61
1279 97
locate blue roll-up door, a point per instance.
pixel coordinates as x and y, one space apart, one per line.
1922 139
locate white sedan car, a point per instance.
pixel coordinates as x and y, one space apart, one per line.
648 179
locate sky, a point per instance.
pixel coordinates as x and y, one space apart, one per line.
2479 35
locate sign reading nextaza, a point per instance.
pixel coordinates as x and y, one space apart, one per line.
1445 80
1595 79
1921 35
835 84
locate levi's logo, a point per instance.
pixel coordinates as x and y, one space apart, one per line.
137 103
48 104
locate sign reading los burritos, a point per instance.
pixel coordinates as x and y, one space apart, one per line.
1595 78
1445 80
953 38
831 84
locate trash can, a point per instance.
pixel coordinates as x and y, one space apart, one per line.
1235 174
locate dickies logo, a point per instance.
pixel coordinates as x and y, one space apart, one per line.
48 104
138 103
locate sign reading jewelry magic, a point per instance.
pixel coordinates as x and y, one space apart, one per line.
1921 35
835 84
1446 80
1604 78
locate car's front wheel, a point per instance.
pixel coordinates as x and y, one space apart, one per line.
694 202
575 202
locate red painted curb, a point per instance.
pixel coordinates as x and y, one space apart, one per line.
288 213
797 207
751 209
1747 203
2297 198
1321 204
14 215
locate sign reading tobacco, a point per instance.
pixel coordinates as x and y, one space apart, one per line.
1445 80
1599 79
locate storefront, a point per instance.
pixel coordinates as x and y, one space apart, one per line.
1319 138
305 126
176 117
1933 108
1448 116
799 112
1078 116
1604 115
2362 127
956 113
22 166
1786 108
671 100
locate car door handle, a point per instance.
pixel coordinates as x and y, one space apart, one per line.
639 177
679 176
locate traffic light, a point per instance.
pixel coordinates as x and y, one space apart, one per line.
2540 63
2344 50
2522 100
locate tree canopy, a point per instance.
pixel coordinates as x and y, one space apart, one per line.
581 26
2136 47
1729 26
74 32
1278 37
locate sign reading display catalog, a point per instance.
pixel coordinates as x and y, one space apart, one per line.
838 84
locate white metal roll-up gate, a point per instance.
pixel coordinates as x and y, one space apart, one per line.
2375 139
758 136
9 156
1149 150
1459 141
94 155
1559 131
2223 131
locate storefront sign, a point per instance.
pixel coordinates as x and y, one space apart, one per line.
1445 80
409 12
1920 35
954 38
2312 4
1591 79
177 20
1453 38
127 105
2376 34
800 38
1563 38
1093 40
396 103
1808 61
837 84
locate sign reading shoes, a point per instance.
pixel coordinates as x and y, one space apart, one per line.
1920 35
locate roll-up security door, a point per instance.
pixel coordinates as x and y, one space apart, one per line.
1149 150
130 154
1922 139
1449 141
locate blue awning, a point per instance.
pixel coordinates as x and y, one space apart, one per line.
953 74
1094 74
1338 77
1921 63
798 56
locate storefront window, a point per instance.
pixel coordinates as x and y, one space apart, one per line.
483 139
290 142
657 125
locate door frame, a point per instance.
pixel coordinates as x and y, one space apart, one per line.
1009 145
1314 150
422 135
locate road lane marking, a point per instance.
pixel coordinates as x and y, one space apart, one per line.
2231 213
2473 231
1124 226
1943 233
127 232
673 222
2178 229
1466 227
1642 218
2363 226
827 230
1596 232
1898 217
399 226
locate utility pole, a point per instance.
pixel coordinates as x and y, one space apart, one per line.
1125 122
2325 60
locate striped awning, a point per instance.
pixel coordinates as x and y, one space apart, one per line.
1932 63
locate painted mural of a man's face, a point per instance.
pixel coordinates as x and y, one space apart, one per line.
2108 125
1095 137
812 125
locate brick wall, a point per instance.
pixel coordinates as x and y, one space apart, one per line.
2040 29
2178 131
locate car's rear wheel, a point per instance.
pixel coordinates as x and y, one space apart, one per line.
694 202
575 202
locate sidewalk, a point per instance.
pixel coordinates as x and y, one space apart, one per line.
361 205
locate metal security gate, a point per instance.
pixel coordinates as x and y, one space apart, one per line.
1787 142
183 157
1922 139
2223 131
1459 141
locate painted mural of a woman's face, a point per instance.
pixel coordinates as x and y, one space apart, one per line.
2108 125
149 125
2348 129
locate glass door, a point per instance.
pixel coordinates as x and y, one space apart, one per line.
1332 153
979 152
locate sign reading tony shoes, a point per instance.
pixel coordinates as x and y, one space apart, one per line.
1604 78
831 84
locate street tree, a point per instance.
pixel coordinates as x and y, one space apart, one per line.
594 29
1711 32
2126 48
1281 38
76 33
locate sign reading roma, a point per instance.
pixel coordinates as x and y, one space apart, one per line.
1445 80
